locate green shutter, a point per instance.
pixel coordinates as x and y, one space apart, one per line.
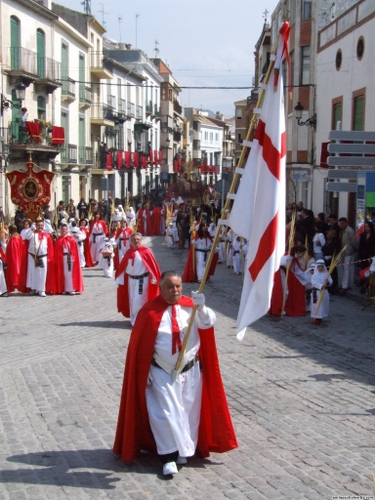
41 53
14 43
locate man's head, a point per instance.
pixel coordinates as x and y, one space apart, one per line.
343 222
332 219
136 240
123 223
64 230
171 287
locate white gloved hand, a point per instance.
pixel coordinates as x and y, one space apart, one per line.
198 299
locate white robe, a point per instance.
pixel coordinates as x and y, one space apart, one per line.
106 262
202 250
318 279
97 238
36 276
79 237
174 407
137 294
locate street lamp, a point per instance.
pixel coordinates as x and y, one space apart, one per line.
20 95
309 122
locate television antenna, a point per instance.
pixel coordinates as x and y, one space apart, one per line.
102 13
156 49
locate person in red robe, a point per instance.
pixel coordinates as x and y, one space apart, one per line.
86 243
295 299
68 270
157 411
156 220
137 277
144 221
97 233
13 252
122 238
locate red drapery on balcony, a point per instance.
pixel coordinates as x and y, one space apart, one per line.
160 157
108 164
324 155
136 159
58 135
120 159
151 156
144 161
127 159
33 129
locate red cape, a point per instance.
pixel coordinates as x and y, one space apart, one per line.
50 280
102 223
133 434
122 290
149 231
14 252
86 248
295 304
59 265
190 275
156 220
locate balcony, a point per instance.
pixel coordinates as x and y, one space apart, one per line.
177 108
30 67
20 143
69 154
68 90
149 108
122 111
85 156
102 115
85 97
131 109
157 112
100 66
49 73
139 112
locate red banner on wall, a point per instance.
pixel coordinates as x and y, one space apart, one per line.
30 190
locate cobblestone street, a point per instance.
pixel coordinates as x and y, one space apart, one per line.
302 399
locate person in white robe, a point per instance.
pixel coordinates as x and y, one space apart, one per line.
79 237
174 409
106 257
320 280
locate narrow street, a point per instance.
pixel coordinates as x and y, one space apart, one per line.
302 399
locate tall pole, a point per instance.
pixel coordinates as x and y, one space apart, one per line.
136 30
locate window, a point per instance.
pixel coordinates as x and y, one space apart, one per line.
41 103
239 113
306 9
41 53
15 42
338 60
336 113
211 136
358 111
305 65
360 48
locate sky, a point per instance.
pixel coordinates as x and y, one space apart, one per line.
206 43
